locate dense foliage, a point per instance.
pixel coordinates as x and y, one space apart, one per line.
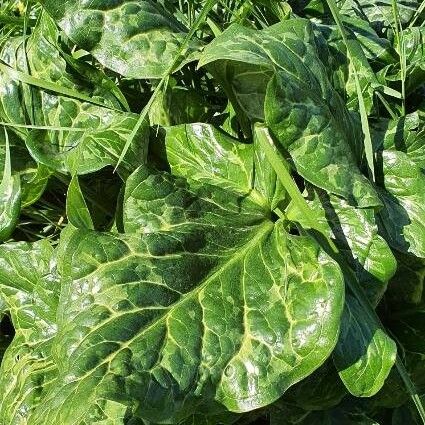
212 212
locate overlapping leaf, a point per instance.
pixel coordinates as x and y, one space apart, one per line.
302 109
206 155
136 39
364 354
96 134
344 68
29 290
356 234
402 218
406 135
203 300
33 177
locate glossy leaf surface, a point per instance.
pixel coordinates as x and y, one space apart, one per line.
136 39
300 106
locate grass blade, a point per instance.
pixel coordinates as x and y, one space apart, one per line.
411 388
417 14
42 127
48 85
362 107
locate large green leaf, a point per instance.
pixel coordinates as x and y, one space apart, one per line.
400 151
302 109
136 39
28 287
204 298
414 40
406 134
204 154
364 354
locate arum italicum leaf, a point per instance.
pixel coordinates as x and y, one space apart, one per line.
99 146
364 354
102 130
76 208
10 196
29 293
29 290
203 299
202 153
406 134
402 218
302 109
379 12
136 39
33 176
356 234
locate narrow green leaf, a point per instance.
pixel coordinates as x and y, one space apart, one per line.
417 14
401 51
49 85
10 196
76 208
363 114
